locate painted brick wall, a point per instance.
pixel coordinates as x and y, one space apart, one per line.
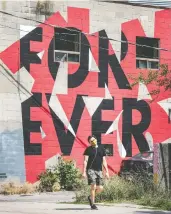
56 106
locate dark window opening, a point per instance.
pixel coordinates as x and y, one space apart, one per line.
141 64
147 52
108 149
67 45
3 175
153 64
169 117
60 56
147 57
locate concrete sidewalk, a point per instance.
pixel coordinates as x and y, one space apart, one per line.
53 208
62 196
47 204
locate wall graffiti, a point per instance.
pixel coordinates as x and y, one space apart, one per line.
73 100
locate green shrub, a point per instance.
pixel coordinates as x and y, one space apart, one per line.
159 200
140 190
68 175
117 189
64 173
47 180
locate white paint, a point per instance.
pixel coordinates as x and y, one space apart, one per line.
92 63
26 80
40 54
56 106
166 105
147 25
51 162
8 85
149 139
58 87
117 45
61 82
42 133
92 103
143 93
115 127
25 29
116 15
121 149
167 141
108 95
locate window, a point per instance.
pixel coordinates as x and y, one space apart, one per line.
67 45
169 117
108 149
3 176
147 57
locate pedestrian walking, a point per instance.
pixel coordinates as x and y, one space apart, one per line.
94 161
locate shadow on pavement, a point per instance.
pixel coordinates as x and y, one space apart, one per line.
67 209
152 212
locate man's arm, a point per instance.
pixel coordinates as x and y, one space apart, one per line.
85 165
105 166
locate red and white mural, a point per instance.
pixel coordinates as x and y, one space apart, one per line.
69 102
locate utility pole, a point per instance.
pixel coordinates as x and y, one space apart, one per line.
162 165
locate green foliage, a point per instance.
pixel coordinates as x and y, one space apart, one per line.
47 180
44 8
65 173
161 79
68 175
115 189
160 200
140 190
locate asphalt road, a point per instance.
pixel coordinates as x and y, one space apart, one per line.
49 204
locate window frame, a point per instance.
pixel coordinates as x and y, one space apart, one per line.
69 52
148 59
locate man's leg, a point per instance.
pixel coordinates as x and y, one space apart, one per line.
92 182
93 193
99 182
99 189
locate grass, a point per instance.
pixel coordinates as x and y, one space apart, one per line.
139 191
157 202
13 188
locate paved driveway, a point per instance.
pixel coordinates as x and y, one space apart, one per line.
47 204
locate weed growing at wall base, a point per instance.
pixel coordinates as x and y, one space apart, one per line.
142 192
12 188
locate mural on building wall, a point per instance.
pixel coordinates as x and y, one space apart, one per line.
71 101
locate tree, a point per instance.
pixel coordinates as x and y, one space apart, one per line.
161 79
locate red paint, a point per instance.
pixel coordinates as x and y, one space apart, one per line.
79 18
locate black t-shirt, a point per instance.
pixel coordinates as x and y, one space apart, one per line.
96 156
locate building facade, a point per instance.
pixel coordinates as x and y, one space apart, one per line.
65 74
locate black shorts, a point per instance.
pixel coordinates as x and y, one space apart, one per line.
95 177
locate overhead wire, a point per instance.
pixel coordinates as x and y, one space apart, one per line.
45 110
80 43
35 101
73 30
51 37
163 49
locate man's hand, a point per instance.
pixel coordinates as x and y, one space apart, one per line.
84 175
107 175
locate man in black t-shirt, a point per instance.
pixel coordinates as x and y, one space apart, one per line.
93 163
